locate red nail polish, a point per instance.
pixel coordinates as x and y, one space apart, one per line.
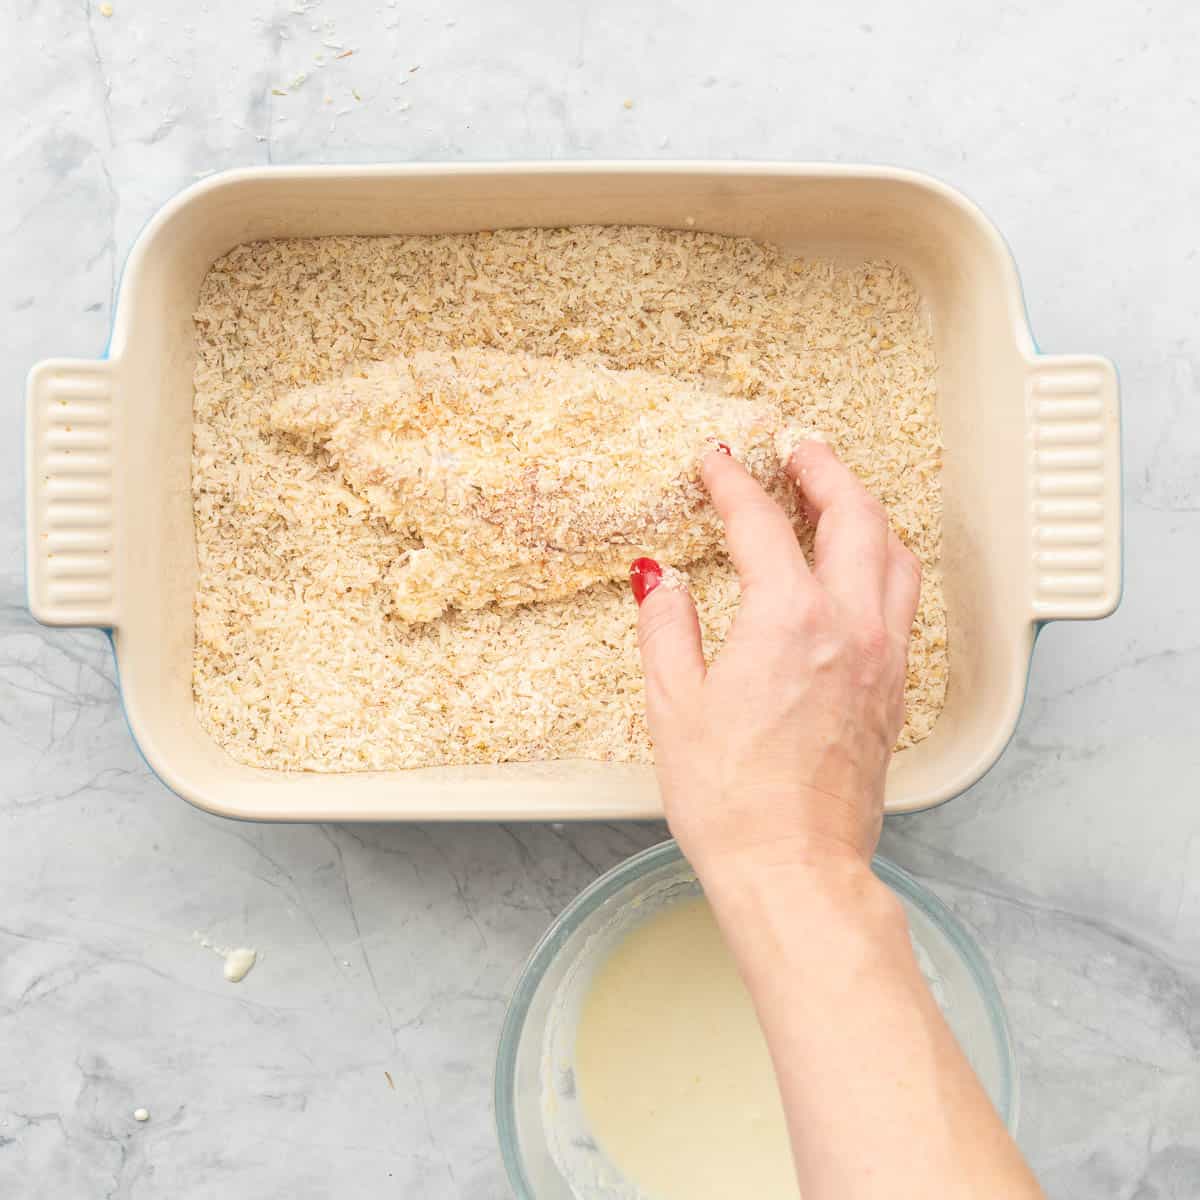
724 449
644 576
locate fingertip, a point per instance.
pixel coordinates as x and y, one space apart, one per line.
716 460
722 473
645 574
798 456
802 452
824 480
669 638
758 533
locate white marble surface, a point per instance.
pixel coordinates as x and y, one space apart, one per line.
390 949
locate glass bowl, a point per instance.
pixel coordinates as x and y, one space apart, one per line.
544 1140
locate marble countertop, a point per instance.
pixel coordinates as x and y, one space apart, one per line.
389 950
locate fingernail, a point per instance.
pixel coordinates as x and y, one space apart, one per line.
644 576
724 449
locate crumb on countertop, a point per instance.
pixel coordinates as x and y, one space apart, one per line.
238 963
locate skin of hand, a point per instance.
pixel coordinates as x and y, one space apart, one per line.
784 742
772 762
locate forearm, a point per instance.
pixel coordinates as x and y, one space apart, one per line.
773 760
880 1100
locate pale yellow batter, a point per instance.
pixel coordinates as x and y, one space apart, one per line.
673 1071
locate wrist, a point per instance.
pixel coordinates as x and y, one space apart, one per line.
748 828
821 861
807 869
800 902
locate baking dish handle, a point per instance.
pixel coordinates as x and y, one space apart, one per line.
71 491
1074 447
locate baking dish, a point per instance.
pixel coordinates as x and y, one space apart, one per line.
1032 527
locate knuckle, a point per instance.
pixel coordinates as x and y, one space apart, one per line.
868 508
802 610
874 645
793 594
777 624
783 591
815 612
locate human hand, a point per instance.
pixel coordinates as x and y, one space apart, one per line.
781 746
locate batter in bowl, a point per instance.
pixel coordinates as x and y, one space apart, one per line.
673 1071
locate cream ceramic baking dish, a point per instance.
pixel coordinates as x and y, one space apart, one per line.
1032 463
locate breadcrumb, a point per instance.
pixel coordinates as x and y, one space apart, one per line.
300 661
674 580
788 438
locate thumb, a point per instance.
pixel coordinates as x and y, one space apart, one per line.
668 635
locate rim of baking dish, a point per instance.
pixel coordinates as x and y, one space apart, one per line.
1018 313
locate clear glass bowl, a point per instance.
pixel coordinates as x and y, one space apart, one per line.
543 1134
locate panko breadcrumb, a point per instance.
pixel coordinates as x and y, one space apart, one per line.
300 661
